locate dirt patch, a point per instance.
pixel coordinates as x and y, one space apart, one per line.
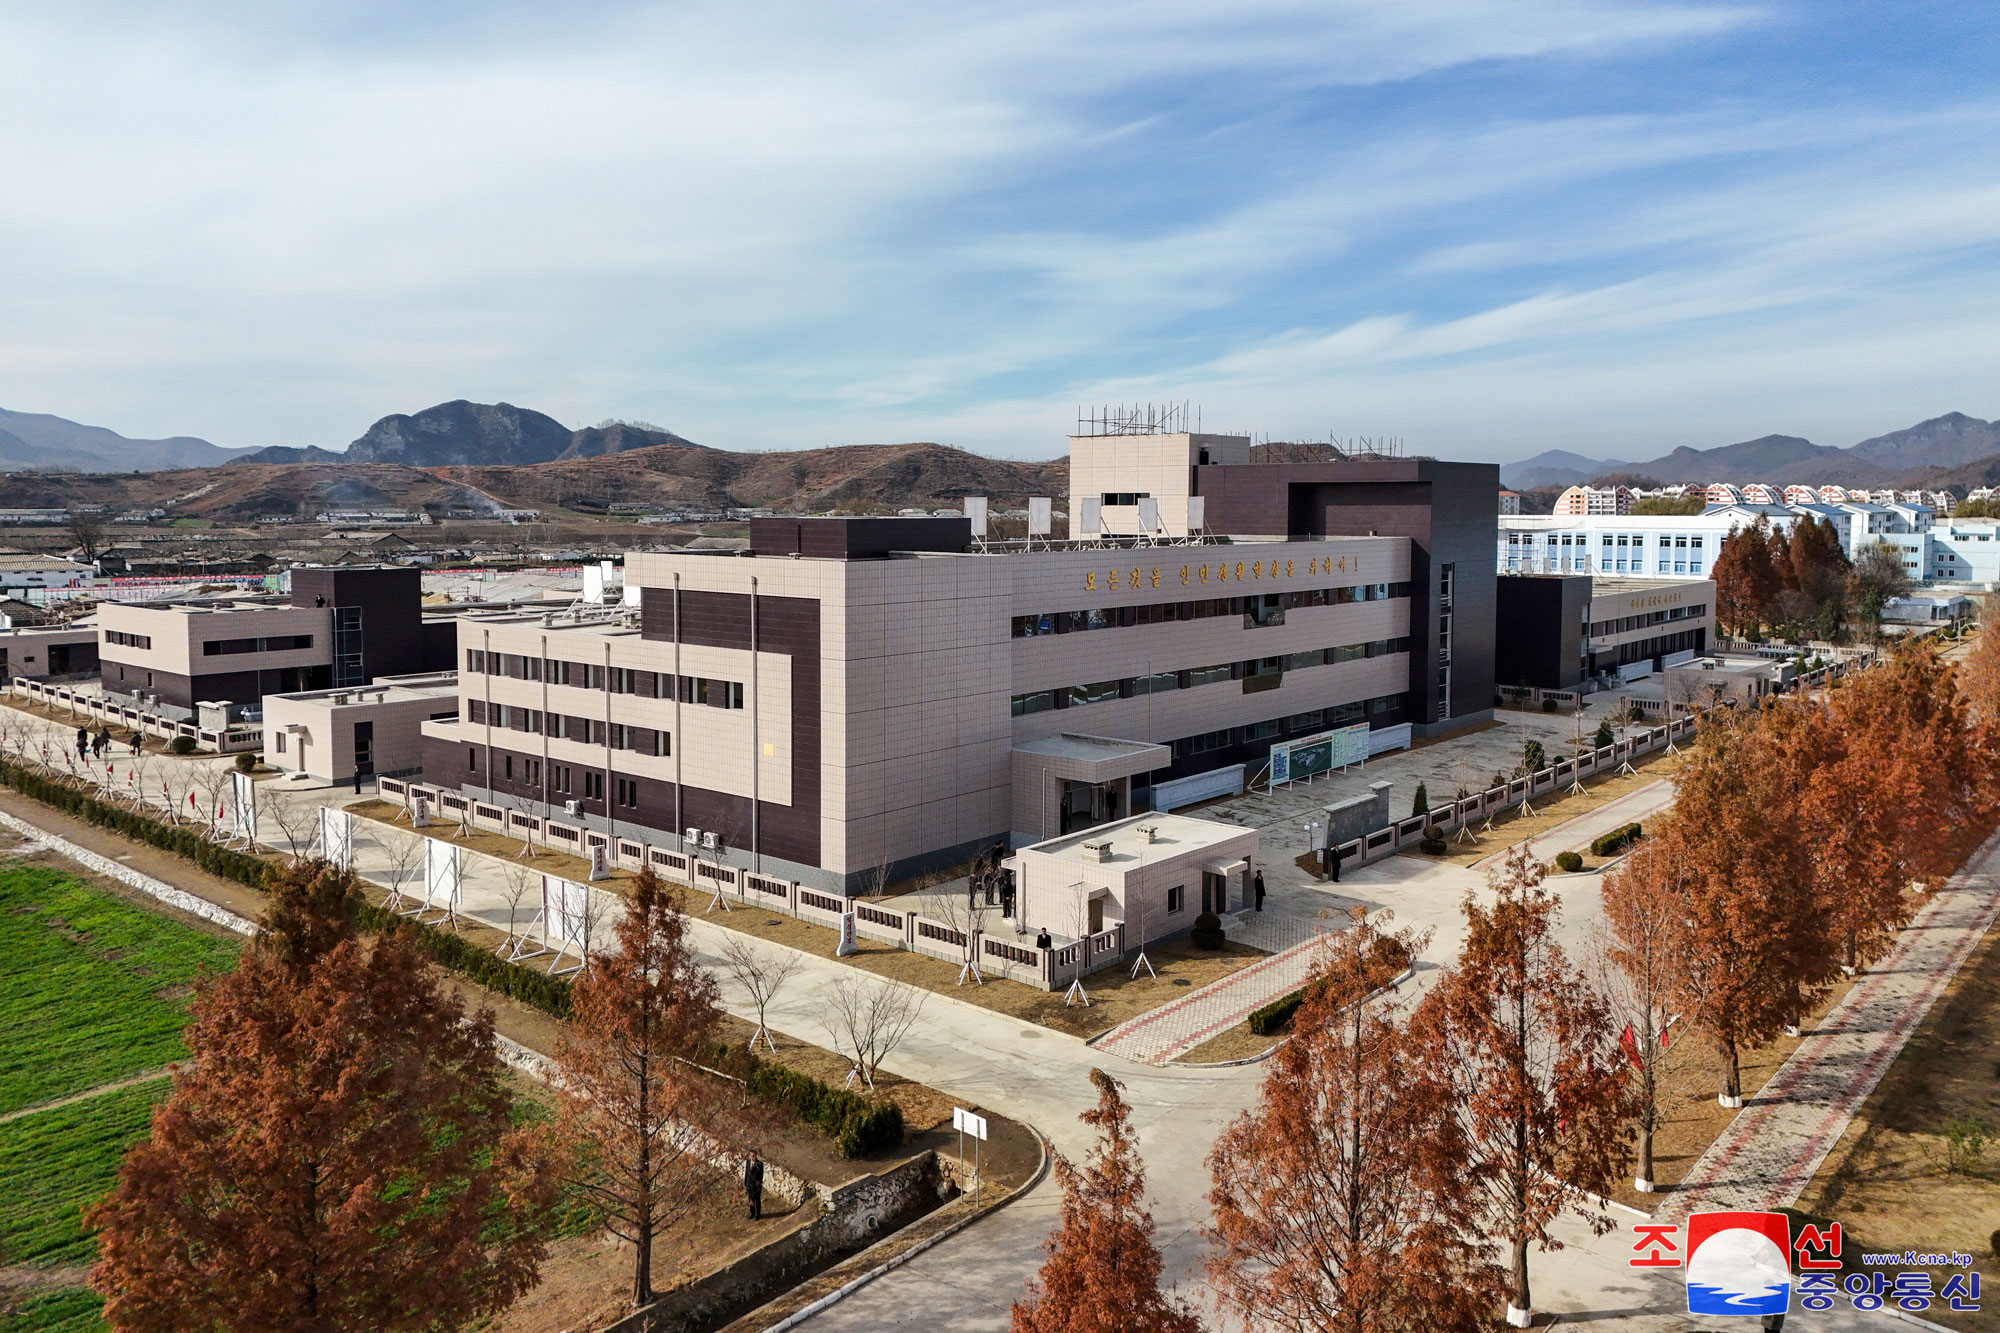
545 860
1114 995
1238 1043
587 1281
1692 1118
1885 1182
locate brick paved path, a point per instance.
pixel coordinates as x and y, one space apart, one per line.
1156 1037
1772 1149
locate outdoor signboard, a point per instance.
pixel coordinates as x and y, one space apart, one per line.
444 874
336 836
566 913
420 811
600 860
1310 756
243 804
846 945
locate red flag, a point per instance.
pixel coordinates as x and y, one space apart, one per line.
1630 1045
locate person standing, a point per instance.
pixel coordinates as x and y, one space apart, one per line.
1257 886
753 1185
1042 941
137 740
83 742
1333 860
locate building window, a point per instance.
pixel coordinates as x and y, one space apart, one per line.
125 640
628 793
281 742
471 759
475 662
1176 899
593 785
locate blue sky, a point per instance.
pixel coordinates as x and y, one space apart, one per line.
1489 228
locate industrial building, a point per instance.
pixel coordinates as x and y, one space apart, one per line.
853 697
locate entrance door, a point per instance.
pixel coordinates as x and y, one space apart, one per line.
364 747
1096 915
1214 892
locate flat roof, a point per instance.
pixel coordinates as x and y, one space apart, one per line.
1176 836
1070 745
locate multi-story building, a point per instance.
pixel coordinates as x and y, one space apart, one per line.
342 626
1594 500
854 697
1510 502
1564 629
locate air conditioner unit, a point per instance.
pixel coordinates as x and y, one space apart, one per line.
708 842
572 807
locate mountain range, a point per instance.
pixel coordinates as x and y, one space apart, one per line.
1916 456
36 439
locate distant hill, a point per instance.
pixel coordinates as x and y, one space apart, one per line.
36 439
803 480
461 433
292 453
1555 467
1951 440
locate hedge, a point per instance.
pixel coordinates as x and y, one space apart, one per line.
1616 840
529 985
856 1125
1568 862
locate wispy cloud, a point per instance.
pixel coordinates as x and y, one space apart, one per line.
1485 221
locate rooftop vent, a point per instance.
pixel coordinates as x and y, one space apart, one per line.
1097 851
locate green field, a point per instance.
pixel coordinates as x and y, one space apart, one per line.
96 988
55 1163
70 1310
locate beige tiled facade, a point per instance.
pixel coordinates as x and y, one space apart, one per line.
918 666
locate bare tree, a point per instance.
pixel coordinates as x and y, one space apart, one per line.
516 883
964 915
402 857
296 820
512 805
762 971
211 784
177 789
86 529
868 1017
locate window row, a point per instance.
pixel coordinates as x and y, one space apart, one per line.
274 643
565 780
1265 608
1298 724
1625 624
1131 687
119 636
705 690
565 726
1677 541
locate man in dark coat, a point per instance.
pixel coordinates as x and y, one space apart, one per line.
83 742
1042 941
1257 885
753 1185
1333 861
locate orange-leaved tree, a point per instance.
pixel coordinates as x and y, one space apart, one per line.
1754 956
1102 1274
339 1154
1979 671
1647 983
1541 1097
639 1127
1344 1199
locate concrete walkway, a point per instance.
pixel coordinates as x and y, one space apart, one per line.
1576 834
1158 1037
1775 1145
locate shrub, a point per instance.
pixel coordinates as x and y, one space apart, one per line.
1273 1016
1568 862
181 745
1548 705
1603 737
1207 932
1615 841
245 762
1432 846
1421 805
856 1124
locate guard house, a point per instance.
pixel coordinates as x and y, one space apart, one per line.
1152 873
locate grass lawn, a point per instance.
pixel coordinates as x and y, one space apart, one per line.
66 1310
55 1163
96 988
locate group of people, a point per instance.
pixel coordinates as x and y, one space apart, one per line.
990 878
98 746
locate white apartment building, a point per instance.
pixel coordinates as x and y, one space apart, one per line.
1685 546
1594 500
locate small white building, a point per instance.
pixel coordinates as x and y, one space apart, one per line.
1153 873
375 730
